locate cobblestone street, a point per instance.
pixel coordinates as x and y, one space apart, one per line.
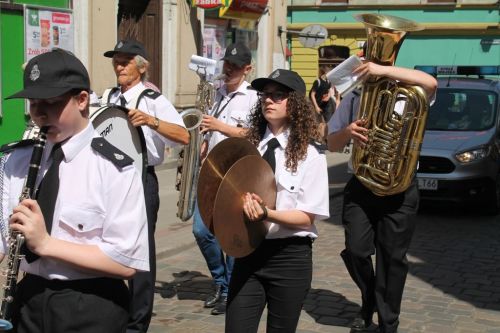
453 284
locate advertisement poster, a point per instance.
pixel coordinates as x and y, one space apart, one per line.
214 45
47 28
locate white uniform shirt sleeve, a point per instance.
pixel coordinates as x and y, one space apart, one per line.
313 194
342 115
125 226
163 110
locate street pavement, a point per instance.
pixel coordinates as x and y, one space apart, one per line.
453 284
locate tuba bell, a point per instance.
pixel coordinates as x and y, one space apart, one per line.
395 113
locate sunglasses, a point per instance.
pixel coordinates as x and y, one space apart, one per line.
275 96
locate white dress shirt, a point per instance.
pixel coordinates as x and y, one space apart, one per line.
97 204
305 190
159 107
234 109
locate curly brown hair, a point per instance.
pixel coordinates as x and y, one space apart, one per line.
302 124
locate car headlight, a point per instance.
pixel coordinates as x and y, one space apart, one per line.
473 155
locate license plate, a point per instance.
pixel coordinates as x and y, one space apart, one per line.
428 184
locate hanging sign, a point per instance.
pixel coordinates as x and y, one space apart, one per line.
244 9
46 28
209 4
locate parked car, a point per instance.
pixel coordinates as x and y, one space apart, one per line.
460 156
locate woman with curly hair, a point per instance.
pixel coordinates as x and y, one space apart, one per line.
279 272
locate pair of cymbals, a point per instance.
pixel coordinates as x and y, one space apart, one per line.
233 168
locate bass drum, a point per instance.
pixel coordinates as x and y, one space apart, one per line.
111 122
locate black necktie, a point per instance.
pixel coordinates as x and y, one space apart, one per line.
47 193
269 154
123 101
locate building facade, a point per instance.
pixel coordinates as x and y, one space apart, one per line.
457 32
171 30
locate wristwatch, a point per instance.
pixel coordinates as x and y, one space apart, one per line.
156 123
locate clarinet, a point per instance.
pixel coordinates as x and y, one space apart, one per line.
16 239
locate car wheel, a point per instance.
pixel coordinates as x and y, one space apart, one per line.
493 198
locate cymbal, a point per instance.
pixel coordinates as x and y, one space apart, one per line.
213 170
238 236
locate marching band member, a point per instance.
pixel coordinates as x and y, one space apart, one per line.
86 230
227 118
383 225
279 272
162 126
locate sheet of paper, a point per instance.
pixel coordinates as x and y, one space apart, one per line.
203 66
341 76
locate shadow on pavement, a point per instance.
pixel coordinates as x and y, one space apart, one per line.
186 285
456 251
330 308
324 306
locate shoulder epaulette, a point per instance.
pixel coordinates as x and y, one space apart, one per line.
8 147
320 147
150 93
110 152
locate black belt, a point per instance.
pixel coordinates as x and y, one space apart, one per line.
84 285
150 168
289 240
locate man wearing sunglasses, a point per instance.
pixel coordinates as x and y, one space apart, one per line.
227 118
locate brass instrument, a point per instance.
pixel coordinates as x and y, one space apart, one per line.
188 166
16 239
395 113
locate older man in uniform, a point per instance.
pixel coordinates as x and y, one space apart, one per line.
162 126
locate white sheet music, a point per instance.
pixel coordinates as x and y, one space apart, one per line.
341 76
202 65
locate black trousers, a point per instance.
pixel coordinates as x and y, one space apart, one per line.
279 273
142 285
383 226
80 306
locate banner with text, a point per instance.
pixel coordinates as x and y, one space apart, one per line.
47 28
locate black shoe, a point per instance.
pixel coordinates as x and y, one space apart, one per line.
211 301
361 325
220 307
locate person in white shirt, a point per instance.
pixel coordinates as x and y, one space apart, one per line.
92 234
227 118
279 272
380 225
162 126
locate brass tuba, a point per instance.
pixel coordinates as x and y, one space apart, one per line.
395 113
188 165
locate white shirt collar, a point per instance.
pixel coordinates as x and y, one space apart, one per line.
282 137
77 142
242 89
133 92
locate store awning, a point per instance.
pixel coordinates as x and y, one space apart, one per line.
244 9
209 4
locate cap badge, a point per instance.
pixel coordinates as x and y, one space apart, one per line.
119 45
35 73
119 157
275 74
234 52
